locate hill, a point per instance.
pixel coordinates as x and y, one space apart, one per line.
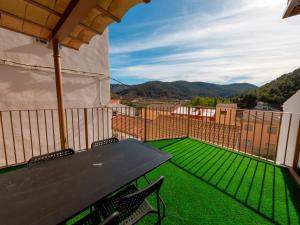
180 90
276 92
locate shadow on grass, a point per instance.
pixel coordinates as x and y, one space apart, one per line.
263 187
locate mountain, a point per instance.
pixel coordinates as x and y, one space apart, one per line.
276 92
180 90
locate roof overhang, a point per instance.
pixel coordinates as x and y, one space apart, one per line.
293 8
69 22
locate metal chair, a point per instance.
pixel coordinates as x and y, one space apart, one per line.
99 143
94 219
112 219
132 204
50 156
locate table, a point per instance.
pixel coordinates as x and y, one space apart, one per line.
54 191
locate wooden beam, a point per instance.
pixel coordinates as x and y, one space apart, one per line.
60 96
78 39
107 13
39 5
90 29
24 19
73 15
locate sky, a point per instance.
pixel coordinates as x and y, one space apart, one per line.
219 41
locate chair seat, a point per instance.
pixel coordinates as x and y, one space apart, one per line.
110 205
143 210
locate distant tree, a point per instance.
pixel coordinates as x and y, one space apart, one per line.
248 100
208 101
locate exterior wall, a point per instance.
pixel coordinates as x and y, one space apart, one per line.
226 115
27 73
27 82
291 105
256 137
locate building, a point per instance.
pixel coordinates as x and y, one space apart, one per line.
290 136
121 109
28 83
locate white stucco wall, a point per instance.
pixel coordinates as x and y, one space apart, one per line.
27 74
291 109
27 82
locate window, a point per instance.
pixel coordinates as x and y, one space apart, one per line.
248 127
247 143
272 130
223 112
270 146
239 113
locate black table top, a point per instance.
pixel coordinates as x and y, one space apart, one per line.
53 191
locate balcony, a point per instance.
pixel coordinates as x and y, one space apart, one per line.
210 185
227 165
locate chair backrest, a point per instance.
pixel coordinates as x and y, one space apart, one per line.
99 143
50 156
130 203
112 219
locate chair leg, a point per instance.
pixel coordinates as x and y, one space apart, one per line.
158 209
146 179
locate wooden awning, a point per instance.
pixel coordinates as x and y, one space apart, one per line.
293 8
70 22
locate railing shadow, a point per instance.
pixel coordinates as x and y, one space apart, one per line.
263 187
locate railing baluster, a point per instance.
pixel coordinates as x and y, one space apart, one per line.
67 127
86 129
261 135
145 125
241 131
93 124
98 123
219 126
270 131
287 139
224 127
38 130
3 136
248 121
30 131
53 131
278 136
22 135
102 117
107 123
46 130
229 129
13 136
79 133
235 130
254 129
73 131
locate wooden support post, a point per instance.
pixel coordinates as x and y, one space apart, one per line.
60 96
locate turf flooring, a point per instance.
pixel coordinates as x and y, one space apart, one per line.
205 184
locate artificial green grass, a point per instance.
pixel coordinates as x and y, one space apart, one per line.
205 184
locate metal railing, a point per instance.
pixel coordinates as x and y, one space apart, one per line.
265 134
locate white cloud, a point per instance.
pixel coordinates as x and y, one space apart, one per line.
249 43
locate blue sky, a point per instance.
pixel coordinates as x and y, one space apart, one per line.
198 40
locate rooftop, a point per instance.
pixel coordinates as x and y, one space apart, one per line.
217 186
